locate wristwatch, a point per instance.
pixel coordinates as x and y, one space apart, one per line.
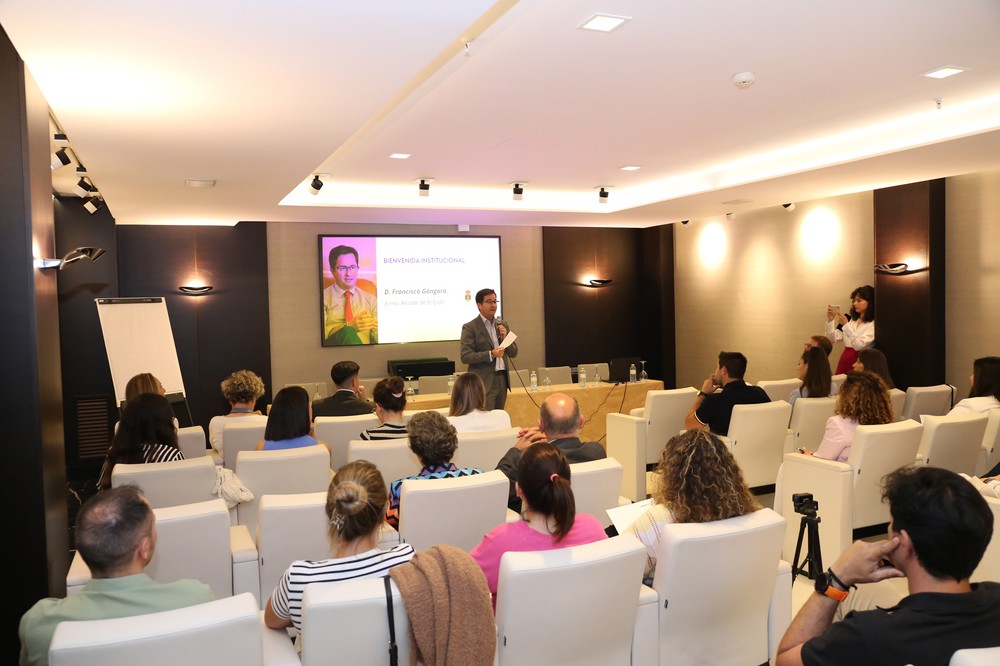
701 394
824 585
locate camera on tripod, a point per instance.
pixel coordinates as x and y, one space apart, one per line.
812 564
804 504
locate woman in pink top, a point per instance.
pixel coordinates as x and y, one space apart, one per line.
548 519
863 400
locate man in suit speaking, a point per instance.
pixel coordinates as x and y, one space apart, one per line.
481 350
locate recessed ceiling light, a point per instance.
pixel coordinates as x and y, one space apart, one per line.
201 184
943 72
604 22
400 156
631 167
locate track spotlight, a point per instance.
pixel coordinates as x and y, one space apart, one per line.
730 216
518 192
92 204
60 159
685 221
424 187
602 196
60 139
788 206
315 186
92 253
83 188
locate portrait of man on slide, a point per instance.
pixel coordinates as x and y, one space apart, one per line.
350 306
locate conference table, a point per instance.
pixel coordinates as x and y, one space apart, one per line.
597 400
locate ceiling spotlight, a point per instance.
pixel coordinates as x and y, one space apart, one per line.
424 187
518 192
92 253
730 216
602 196
60 138
92 204
788 206
315 186
83 188
743 80
60 159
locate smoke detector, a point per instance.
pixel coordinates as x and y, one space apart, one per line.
744 79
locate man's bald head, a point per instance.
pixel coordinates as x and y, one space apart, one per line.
560 416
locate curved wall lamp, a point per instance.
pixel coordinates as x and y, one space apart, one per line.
76 254
193 290
600 282
898 268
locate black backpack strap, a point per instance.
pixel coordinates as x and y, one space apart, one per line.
393 652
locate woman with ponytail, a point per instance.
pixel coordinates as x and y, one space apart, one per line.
390 401
355 506
548 517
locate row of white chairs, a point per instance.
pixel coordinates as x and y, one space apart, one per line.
704 606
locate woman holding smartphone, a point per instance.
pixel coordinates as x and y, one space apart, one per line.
856 328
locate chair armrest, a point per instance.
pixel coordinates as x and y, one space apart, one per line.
387 536
639 412
646 635
919 461
627 445
78 575
278 647
241 545
246 571
779 612
789 441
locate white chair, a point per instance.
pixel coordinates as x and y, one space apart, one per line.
457 512
838 380
483 449
191 441
393 457
756 438
724 596
595 487
952 442
194 541
898 401
989 566
169 483
976 657
934 400
596 372
779 389
225 632
408 414
637 439
849 494
989 455
239 436
809 417
587 594
433 384
346 623
559 374
291 471
337 431
523 379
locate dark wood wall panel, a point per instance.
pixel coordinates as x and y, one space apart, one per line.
217 333
910 325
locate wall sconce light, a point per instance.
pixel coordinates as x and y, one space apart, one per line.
788 206
76 254
602 195
600 282
316 185
897 268
424 186
193 290
518 191
60 159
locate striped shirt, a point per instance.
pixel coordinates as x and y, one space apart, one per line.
286 601
151 453
385 431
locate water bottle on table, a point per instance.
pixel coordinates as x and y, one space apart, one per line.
534 381
631 374
583 377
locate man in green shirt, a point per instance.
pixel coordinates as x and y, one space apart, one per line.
116 537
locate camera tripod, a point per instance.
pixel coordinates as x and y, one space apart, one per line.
812 563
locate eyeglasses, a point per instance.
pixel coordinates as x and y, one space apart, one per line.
345 269
490 302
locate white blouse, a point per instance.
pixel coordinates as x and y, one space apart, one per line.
856 334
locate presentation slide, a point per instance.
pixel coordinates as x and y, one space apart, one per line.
392 289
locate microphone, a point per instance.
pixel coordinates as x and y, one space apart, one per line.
500 336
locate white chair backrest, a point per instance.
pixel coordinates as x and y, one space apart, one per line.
989 566
345 622
809 416
458 512
664 415
719 617
559 374
225 632
589 592
523 379
483 449
779 389
976 657
286 472
289 528
596 372
169 483
239 436
898 401
757 438
838 380
410 412
337 431
191 441
953 442
595 487
990 455
876 451
933 400
193 542
433 384
393 457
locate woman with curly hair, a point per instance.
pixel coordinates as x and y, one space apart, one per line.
355 507
699 481
242 390
813 370
863 400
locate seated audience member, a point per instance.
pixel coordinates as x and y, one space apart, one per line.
872 360
863 400
355 505
242 390
713 408
939 531
548 519
434 441
984 391
813 369
820 341
468 407
116 536
289 423
349 398
143 383
390 401
559 423
146 434
699 481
